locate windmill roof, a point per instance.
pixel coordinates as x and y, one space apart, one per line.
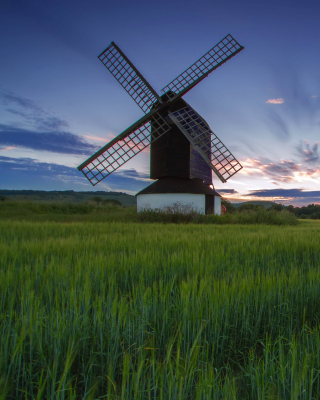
178 185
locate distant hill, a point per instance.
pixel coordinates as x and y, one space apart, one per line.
265 204
67 196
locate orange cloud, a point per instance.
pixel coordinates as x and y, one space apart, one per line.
95 138
275 101
7 148
280 170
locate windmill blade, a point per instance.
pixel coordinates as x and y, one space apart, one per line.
129 77
213 151
218 55
124 147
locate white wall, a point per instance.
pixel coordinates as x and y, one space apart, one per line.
217 205
181 202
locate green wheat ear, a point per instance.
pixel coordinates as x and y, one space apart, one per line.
158 310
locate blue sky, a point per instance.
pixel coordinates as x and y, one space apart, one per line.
58 104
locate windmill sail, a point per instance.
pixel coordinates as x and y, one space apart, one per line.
219 54
124 147
167 117
129 77
212 150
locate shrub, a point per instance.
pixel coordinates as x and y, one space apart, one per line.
113 202
247 207
4 198
258 216
96 200
228 205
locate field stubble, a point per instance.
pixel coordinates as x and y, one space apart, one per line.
152 311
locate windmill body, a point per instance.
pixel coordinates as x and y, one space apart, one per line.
172 155
184 151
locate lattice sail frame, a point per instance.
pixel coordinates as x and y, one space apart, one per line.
149 128
109 159
129 77
219 54
221 160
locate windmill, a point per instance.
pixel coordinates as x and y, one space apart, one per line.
183 149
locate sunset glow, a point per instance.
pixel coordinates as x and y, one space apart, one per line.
61 105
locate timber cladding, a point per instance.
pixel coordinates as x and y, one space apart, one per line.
172 155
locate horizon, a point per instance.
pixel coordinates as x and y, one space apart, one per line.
101 192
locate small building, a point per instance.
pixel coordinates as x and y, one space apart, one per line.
179 195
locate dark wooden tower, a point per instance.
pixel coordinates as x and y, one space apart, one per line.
172 155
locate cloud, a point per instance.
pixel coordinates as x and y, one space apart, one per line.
44 132
10 98
299 105
40 122
275 101
280 192
31 113
133 174
309 155
278 124
7 148
56 142
285 171
28 173
297 197
227 191
95 138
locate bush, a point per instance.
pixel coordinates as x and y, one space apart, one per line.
112 202
249 207
228 205
258 216
4 198
276 207
96 200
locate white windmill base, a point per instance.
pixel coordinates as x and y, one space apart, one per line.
176 202
174 195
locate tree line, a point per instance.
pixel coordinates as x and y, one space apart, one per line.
311 211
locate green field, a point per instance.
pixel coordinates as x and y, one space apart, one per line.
129 310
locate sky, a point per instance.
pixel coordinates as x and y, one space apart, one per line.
59 104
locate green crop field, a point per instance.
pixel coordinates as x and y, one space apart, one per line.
129 310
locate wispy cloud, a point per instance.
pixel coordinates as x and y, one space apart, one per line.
134 174
275 101
32 114
28 173
281 192
299 107
305 166
307 153
227 191
297 197
95 138
41 130
277 123
285 171
57 142
11 98
7 148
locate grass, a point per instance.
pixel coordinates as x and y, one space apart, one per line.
125 310
95 212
